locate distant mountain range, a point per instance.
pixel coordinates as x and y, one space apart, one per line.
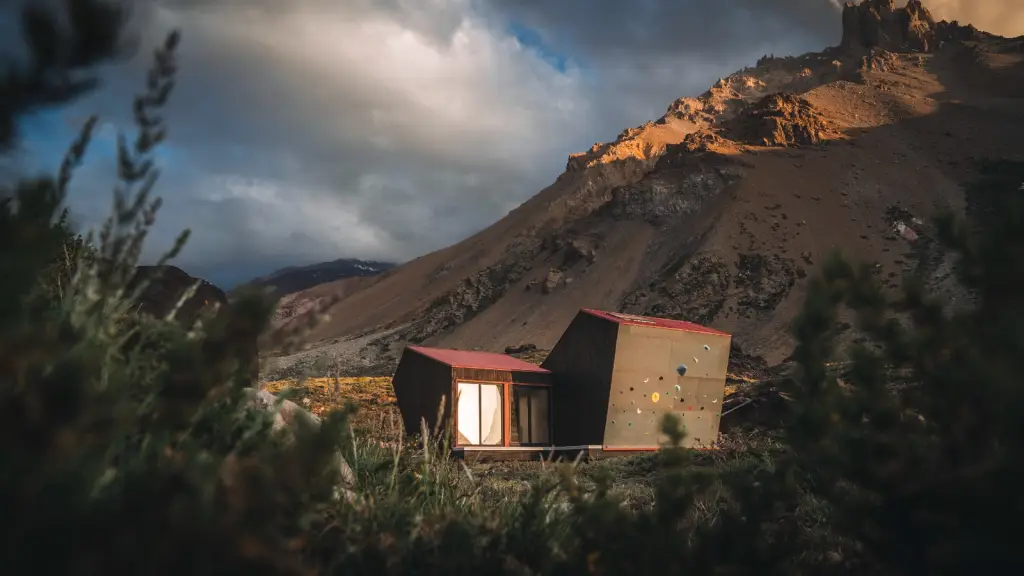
296 278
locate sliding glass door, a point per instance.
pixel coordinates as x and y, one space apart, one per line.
531 415
479 414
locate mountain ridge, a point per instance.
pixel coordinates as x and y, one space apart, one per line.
717 211
293 279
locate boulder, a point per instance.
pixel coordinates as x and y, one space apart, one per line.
287 416
580 249
554 278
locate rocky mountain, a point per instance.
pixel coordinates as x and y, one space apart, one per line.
167 284
719 210
297 278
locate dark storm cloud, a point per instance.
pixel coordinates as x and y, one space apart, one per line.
689 28
308 130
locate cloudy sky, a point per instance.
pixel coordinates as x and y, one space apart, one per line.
310 130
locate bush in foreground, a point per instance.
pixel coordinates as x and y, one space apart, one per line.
130 445
126 444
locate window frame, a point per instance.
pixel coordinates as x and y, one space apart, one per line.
501 387
529 423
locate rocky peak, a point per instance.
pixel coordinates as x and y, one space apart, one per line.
167 284
781 120
879 23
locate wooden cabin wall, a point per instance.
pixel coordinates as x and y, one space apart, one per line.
420 382
582 362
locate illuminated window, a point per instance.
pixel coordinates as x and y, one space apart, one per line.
479 414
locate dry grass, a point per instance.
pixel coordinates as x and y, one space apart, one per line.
372 394
319 395
374 397
633 476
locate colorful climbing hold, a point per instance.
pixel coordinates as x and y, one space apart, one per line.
681 369
655 397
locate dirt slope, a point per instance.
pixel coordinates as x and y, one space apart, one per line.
718 211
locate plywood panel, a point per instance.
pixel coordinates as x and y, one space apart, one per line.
691 352
698 403
642 349
641 377
646 363
639 401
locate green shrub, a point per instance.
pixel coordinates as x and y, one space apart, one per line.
917 446
64 41
127 445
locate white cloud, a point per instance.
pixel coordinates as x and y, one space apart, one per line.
309 130
286 216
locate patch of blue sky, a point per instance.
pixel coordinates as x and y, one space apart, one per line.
47 134
532 39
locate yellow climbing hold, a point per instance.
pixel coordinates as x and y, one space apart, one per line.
654 397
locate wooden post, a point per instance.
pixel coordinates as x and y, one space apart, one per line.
506 400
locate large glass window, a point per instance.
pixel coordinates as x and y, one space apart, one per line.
479 414
531 415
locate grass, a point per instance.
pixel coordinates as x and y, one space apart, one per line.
320 395
633 477
373 396
370 393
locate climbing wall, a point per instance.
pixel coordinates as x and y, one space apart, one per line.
658 371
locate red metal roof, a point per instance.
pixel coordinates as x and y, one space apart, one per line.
620 318
474 359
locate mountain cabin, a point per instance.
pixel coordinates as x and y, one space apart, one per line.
602 390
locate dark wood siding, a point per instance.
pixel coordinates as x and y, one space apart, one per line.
532 378
481 375
420 383
583 360
484 375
